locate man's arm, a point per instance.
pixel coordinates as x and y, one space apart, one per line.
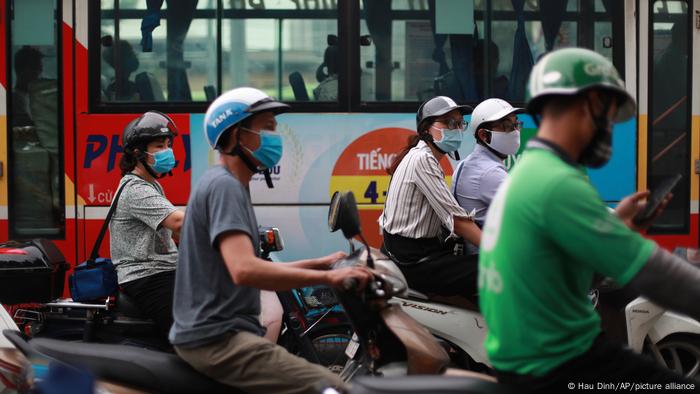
671 282
247 269
319 263
468 230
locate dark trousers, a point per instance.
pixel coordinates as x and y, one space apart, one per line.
153 295
432 267
606 366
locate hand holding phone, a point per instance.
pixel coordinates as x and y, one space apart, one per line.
655 199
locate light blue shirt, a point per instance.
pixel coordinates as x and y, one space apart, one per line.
476 180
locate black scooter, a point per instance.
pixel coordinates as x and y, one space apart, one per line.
386 335
312 328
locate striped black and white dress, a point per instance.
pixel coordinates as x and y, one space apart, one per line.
419 202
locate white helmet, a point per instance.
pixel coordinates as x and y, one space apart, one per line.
489 111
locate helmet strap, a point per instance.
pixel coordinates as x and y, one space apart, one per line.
268 178
428 138
495 152
599 149
141 157
142 160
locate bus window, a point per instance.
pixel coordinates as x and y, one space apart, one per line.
176 53
150 52
669 108
36 189
471 49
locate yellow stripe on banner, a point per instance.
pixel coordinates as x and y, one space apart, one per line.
642 151
3 160
694 155
368 189
70 194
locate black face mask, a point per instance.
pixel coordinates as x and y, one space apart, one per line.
599 150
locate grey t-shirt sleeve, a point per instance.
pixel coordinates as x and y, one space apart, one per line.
669 281
227 209
145 203
490 182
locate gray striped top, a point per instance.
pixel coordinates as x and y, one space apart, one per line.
419 202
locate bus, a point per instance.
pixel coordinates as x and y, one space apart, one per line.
73 73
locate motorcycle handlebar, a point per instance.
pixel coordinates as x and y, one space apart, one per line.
350 284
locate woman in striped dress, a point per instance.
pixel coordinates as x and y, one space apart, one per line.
422 222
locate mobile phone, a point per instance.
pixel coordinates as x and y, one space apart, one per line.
655 199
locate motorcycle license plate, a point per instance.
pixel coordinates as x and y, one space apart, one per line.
352 347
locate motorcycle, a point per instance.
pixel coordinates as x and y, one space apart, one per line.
389 337
454 322
671 339
313 329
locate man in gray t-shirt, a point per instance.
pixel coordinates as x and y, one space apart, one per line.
220 274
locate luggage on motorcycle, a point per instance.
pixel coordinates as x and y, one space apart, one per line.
32 271
92 280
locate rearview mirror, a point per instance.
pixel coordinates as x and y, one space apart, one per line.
333 212
343 214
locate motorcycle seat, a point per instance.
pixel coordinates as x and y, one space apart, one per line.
127 307
458 301
425 384
415 294
132 366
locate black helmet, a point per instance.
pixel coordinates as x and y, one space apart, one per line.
438 106
146 128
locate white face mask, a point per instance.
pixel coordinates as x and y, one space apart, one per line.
506 143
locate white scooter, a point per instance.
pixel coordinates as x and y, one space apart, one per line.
673 340
455 322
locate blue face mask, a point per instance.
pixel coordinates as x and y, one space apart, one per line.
451 140
269 152
165 161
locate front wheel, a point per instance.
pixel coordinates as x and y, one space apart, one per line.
679 353
330 347
328 344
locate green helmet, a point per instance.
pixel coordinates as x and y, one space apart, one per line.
570 71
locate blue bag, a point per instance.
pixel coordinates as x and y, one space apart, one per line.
96 278
92 280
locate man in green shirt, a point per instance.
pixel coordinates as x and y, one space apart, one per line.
548 232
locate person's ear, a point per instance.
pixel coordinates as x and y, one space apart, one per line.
484 135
